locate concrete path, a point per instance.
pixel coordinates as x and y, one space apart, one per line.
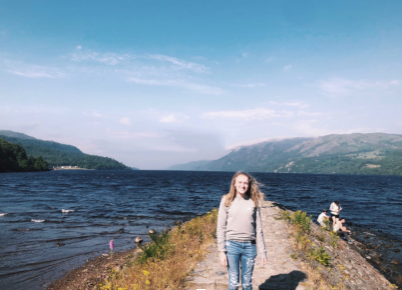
281 272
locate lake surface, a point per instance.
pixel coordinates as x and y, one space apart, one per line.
121 205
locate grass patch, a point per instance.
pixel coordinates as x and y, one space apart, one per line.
168 259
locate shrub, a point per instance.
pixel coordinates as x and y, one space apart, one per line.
320 255
302 220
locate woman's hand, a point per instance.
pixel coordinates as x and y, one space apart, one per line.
223 259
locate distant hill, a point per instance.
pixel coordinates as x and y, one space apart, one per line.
57 154
373 153
13 158
193 165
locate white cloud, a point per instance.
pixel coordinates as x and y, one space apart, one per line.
269 59
179 83
104 58
79 47
30 70
344 87
255 114
245 54
125 121
127 135
311 128
304 113
180 64
287 67
173 118
253 85
93 114
290 104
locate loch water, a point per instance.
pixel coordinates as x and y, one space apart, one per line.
53 221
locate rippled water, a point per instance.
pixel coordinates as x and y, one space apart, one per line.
121 205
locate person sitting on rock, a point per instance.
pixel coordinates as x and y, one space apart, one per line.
322 217
342 231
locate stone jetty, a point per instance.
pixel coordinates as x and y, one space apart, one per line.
282 271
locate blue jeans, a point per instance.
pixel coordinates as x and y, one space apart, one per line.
246 253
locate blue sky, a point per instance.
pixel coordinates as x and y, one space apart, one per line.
157 83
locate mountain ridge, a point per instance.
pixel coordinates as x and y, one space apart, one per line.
58 154
357 153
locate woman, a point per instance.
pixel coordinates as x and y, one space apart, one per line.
335 208
239 226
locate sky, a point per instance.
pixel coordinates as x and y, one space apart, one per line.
158 83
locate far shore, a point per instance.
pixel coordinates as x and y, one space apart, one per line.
75 168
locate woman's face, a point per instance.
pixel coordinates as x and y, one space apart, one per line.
241 184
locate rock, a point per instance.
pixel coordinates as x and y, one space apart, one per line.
178 223
396 250
138 240
151 232
395 262
60 244
368 257
105 255
366 236
117 268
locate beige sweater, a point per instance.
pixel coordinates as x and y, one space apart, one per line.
241 221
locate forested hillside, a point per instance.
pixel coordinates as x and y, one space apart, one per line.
13 158
373 153
57 154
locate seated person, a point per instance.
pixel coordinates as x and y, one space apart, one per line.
322 217
341 230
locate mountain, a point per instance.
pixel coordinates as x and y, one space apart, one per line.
13 158
193 165
57 154
373 153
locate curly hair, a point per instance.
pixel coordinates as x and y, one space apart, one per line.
253 190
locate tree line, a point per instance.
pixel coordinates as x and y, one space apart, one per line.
57 154
13 158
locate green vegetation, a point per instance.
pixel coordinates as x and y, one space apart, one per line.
374 153
56 154
165 262
13 158
320 255
300 222
158 249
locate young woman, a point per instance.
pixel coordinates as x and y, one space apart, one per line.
239 228
335 208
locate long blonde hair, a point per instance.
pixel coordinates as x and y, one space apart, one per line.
253 190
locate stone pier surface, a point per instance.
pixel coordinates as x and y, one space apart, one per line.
281 272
